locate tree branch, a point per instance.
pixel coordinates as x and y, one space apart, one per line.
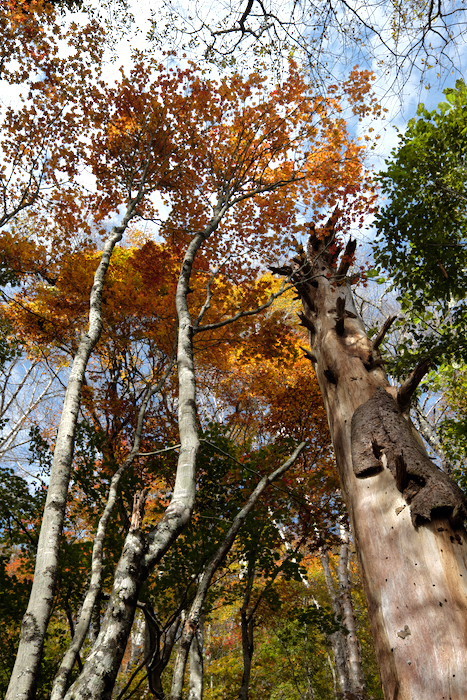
383 330
242 314
407 389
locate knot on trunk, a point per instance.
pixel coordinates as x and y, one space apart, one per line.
379 429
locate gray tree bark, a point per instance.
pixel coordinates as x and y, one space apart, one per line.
337 638
196 659
192 620
140 553
352 644
84 618
36 618
407 515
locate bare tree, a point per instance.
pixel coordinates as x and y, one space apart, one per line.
329 34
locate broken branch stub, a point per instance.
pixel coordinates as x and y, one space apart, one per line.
408 388
429 491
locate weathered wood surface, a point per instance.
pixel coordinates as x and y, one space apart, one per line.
414 563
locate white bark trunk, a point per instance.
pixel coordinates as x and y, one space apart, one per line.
414 560
36 618
196 658
337 637
352 646
85 615
100 670
192 620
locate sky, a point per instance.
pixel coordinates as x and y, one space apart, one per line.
400 92
399 88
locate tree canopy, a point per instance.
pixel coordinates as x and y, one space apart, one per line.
173 492
422 227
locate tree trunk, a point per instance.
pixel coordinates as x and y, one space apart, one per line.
158 648
90 601
247 622
351 642
407 515
101 667
192 619
36 618
337 638
197 664
97 679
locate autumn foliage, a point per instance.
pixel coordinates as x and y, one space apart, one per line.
237 164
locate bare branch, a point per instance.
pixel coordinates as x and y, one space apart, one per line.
243 314
407 389
383 330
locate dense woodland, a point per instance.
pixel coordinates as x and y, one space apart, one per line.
232 359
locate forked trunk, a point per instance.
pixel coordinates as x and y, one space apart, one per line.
407 515
142 553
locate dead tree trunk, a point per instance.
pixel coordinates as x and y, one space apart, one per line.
407 515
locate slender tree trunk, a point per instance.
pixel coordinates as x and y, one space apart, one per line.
197 664
192 619
352 644
407 515
333 674
108 651
36 618
158 650
141 554
137 637
89 603
247 622
337 638
429 434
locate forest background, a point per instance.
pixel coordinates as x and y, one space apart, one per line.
145 200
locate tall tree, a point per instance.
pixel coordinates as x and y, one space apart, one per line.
230 159
407 515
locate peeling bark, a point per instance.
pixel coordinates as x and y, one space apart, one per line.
415 576
381 437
